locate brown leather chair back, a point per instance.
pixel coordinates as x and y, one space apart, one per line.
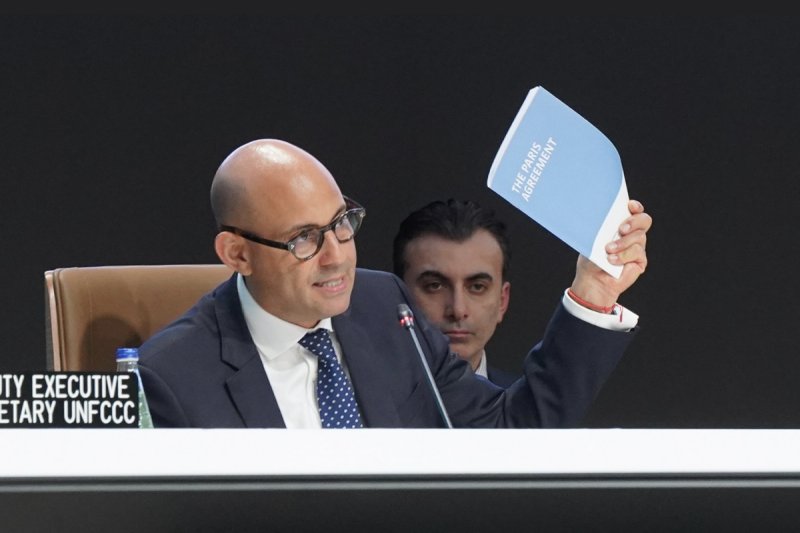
91 311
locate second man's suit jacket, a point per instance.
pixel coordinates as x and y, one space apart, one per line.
500 377
204 370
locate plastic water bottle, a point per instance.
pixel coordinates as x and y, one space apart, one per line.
128 361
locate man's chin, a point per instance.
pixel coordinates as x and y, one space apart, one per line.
459 348
458 340
338 307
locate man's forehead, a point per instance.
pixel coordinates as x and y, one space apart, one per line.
455 259
289 218
480 241
468 275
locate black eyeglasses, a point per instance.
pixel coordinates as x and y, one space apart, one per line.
308 243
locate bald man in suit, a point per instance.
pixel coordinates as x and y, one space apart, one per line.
236 359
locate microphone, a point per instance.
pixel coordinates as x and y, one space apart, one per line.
406 317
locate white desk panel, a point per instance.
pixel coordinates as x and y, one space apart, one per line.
98 453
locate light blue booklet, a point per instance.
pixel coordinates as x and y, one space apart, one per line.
562 172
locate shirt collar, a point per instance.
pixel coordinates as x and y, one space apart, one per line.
271 334
482 370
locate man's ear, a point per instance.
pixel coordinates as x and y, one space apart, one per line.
232 250
505 299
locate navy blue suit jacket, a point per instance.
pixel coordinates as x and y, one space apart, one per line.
203 370
500 377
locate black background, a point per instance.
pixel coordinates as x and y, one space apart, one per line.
112 129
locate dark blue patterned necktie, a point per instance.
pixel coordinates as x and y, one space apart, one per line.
335 397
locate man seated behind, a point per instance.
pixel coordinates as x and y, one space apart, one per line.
454 256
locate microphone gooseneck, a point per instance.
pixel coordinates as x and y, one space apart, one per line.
406 317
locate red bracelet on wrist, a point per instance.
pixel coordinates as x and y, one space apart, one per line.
588 305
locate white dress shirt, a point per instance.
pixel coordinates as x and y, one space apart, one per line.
620 319
482 369
291 369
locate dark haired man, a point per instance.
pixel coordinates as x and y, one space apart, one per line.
455 255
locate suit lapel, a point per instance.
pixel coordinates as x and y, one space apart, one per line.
249 387
251 392
371 379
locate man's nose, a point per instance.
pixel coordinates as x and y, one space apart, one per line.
458 307
332 251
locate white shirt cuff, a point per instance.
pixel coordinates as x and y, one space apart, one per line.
621 319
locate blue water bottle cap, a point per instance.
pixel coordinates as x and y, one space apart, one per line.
124 354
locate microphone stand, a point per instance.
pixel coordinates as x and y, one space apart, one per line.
407 320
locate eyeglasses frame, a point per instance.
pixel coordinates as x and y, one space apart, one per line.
351 206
